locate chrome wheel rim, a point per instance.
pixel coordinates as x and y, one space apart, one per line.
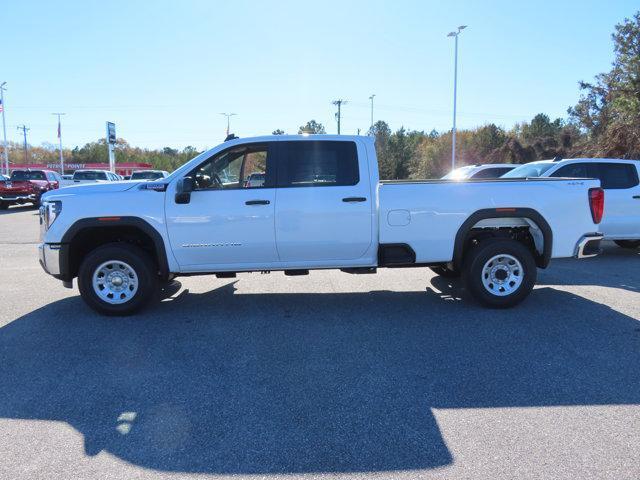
502 275
115 282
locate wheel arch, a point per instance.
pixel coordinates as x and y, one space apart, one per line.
480 221
94 232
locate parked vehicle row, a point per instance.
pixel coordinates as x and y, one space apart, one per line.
27 186
297 203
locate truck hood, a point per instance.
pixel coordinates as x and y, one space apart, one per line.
90 188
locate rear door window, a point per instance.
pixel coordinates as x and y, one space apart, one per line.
617 175
317 164
574 170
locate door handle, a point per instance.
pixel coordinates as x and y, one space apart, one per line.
354 199
257 202
637 197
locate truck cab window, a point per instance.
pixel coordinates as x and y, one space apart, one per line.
244 167
318 164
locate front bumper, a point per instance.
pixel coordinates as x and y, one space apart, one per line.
49 255
589 245
18 198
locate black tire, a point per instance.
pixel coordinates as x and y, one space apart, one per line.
479 256
632 244
4 205
445 272
139 261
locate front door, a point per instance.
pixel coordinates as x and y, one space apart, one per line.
228 223
324 205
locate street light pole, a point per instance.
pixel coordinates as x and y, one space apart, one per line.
228 115
455 94
371 98
60 141
4 128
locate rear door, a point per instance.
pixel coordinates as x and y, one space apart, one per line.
621 206
324 204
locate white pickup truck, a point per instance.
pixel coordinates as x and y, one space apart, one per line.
320 205
619 178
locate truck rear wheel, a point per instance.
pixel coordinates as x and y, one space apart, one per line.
117 279
499 273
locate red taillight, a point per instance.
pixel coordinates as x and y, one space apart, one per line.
596 203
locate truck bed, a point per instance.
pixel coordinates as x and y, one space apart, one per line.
427 214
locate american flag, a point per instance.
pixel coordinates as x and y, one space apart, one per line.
1 106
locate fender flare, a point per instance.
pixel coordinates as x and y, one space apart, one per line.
463 232
112 222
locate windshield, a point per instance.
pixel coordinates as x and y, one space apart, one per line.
19 175
146 175
89 176
529 170
459 173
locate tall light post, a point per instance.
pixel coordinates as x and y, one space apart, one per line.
455 92
228 115
371 98
60 142
4 128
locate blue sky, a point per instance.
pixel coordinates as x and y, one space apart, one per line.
162 71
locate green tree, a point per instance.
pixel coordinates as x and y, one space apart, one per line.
312 127
277 132
609 108
541 127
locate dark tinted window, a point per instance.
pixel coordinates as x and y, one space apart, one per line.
90 175
318 163
28 175
146 175
575 170
617 175
492 172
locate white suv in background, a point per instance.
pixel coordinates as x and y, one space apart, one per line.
619 178
93 176
478 171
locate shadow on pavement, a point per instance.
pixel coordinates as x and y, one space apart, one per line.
18 209
616 267
232 383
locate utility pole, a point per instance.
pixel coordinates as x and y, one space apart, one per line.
338 103
24 134
371 98
455 92
4 128
228 115
60 142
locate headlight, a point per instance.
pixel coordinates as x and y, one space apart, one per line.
49 212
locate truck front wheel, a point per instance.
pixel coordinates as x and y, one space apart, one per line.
499 273
117 279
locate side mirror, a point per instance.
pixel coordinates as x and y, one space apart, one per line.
184 189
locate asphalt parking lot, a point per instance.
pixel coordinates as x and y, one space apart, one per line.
326 376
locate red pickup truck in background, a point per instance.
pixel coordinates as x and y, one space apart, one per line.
26 186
